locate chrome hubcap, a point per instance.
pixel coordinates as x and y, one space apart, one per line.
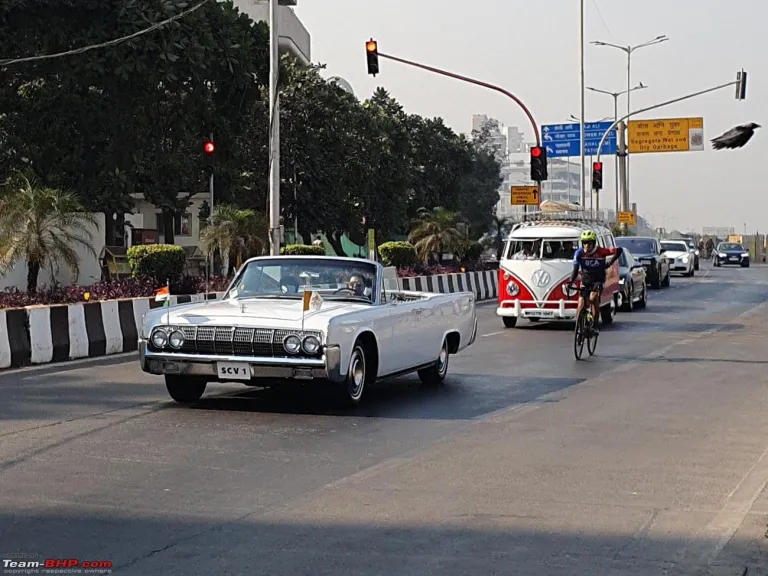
442 361
357 376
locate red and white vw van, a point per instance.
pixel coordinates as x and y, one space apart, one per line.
536 265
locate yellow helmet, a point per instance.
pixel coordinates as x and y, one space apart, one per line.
588 236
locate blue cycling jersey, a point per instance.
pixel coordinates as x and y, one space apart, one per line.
594 264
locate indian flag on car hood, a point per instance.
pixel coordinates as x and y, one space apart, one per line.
163 295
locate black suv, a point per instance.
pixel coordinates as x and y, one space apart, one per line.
649 253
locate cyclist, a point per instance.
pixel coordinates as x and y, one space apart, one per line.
593 262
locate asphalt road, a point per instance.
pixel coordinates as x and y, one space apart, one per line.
650 458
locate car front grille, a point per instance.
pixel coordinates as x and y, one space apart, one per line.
234 341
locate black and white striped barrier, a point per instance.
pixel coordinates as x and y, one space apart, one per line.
484 285
44 334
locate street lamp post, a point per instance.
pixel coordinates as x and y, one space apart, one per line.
615 96
628 50
582 96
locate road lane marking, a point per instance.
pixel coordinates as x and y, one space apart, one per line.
492 334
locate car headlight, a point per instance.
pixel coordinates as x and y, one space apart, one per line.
685 259
721 255
176 339
513 289
621 281
292 344
159 339
311 345
745 255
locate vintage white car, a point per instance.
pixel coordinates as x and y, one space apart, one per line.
287 318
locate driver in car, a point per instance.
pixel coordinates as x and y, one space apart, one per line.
356 284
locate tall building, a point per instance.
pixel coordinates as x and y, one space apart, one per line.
294 37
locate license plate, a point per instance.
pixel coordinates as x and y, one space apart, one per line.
540 313
734 258
233 370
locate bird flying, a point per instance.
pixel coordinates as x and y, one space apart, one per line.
735 137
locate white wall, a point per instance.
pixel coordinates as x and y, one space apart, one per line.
294 37
90 269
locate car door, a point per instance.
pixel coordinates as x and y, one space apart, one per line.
636 270
407 346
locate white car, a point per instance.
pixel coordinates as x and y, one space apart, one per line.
681 259
293 318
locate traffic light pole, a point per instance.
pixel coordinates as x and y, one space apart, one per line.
621 156
210 190
274 132
625 195
475 82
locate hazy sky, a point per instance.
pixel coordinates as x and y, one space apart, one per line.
498 41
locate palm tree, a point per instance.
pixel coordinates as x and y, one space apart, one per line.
435 232
43 227
236 232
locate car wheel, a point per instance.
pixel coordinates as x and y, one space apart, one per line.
185 389
643 302
696 264
606 314
629 305
656 281
357 376
745 264
667 280
509 321
436 374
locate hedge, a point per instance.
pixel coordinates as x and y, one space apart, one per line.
161 262
302 250
473 251
398 254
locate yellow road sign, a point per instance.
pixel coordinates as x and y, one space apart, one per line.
371 244
665 135
524 195
627 218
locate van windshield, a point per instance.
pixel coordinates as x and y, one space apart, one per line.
541 249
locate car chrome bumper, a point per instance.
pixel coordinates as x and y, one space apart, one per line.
160 364
566 310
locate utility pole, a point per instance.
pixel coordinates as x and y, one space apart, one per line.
621 156
582 94
274 132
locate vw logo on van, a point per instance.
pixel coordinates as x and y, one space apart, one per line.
541 278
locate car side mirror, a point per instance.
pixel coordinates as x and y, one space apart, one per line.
637 265
662 251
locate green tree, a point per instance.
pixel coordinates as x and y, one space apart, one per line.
436 232
238 233
43 227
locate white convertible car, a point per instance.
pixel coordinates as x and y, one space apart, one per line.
289 318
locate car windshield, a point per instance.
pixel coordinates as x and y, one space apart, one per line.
675 246
289 278
730 246
541 249
637 245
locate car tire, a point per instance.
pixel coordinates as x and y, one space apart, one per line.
745 264
185 389
353 387
643 302
696 265
509 321
690 273
607 313
435 374
667 281
629 305
656 281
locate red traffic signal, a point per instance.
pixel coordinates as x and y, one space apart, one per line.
209 147
597 175
538 163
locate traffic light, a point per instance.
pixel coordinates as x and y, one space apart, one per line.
741 85
209 149
597 176
372 53
538 163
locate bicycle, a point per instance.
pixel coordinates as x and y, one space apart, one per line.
585 324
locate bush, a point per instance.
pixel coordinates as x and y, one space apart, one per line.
160 262
110 290
398 254
473 251
302 250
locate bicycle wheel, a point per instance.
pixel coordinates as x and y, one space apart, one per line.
578 336
592 339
